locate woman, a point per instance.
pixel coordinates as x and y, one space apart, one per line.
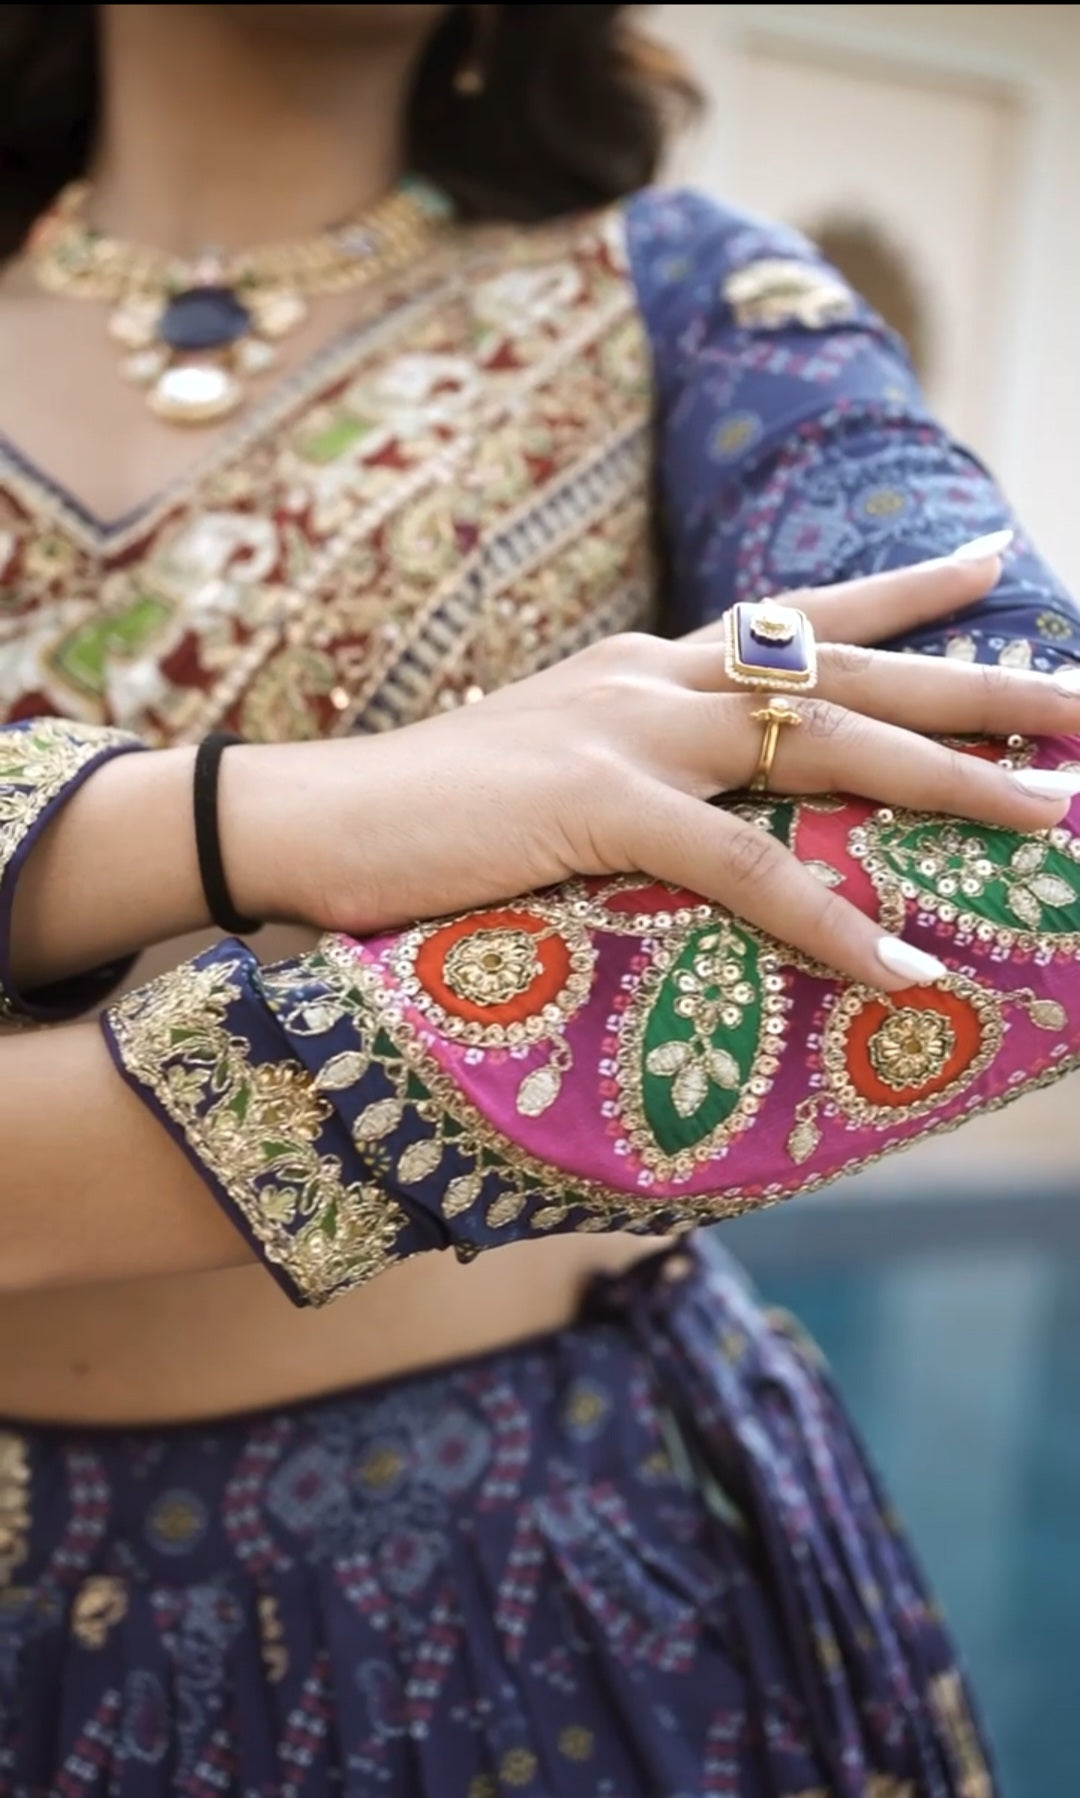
521 1526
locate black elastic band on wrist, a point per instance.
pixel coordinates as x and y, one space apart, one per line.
208 837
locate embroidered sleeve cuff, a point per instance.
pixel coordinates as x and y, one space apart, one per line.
202 1049
614 1055
610 1054
43 763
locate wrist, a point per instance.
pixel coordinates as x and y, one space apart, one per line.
259 806
288 816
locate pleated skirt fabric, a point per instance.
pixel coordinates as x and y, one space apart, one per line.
641 1557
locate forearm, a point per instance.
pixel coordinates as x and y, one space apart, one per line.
93 1189
113 872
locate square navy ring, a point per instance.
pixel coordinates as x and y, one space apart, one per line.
769 645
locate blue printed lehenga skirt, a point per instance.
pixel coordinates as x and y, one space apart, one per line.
641 1557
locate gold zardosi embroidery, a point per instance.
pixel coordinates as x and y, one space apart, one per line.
255 1127
37 762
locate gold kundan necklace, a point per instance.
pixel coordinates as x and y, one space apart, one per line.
193 330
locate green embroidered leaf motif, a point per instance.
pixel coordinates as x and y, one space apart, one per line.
781 821
690 1089
1022 901
723 1068
695 1040
1051 890
1028 857
272 1151
1020 883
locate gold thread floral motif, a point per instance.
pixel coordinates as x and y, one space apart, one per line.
491 967
935 884
910 1047
552 1199
850 1003
357 993
713 995
255 1127
494 967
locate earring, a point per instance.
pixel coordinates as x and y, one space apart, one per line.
470 79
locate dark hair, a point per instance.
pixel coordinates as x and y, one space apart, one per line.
573 114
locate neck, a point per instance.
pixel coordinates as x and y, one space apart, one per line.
215 131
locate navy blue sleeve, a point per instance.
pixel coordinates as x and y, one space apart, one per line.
794 445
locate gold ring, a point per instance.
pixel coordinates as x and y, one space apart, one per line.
774 717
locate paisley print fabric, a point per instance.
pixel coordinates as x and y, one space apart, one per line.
641 1556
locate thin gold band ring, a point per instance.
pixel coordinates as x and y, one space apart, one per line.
774 717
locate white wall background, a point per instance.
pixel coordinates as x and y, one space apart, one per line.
958 129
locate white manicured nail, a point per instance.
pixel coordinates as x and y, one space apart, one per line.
1047 783
1069 681
980 549
912 964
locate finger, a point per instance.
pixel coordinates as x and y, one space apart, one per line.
834 750
876 607
739 865
940 696
882 606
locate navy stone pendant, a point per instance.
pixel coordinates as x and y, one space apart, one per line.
203 318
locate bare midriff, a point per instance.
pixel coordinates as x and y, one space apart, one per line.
163 1350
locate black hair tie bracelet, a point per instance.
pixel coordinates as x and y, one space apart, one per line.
208 836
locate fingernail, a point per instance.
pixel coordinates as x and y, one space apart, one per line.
1069 681
1047 783
980 549
912 964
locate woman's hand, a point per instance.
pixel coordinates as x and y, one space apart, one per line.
881 607
603 764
